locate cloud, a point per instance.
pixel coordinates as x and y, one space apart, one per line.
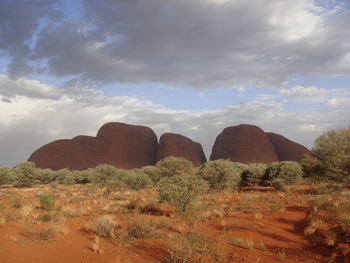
19 21
315 94
31 120
10 88
199 43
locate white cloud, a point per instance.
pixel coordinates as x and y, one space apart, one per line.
30 88
302 91
28 123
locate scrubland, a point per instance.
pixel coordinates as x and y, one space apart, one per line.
173 212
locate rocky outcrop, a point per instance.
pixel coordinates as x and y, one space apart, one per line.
118 144
286 149
171 144
245 144
132 146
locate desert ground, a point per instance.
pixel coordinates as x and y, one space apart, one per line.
86 223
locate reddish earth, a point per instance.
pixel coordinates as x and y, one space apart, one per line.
250 144
171 144
240 223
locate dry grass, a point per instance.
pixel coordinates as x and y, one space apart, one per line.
104 227
43 232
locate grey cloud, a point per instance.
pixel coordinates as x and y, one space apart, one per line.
19 20
195 43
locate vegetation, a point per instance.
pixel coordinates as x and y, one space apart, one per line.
181 191
280 174
331 156
253 175
221 174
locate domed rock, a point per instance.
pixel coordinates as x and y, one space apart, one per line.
118 144
244 143
171 144
286 149
131 146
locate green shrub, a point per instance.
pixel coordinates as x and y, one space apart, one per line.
172 166
152 172
280 174
25 175
221 173
181 191
105 175
46 201
136 180
253 175
45 176
5 176
60 175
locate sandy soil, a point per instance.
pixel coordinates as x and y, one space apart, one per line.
253 226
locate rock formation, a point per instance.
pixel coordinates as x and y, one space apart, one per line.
245 144
286 149
171 144
118 144
250 144
132 146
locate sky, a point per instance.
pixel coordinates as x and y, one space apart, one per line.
189 67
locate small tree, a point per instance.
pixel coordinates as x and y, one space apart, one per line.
172 166
254 174
181 191
25 175
332 155
280 174
222 173
5 177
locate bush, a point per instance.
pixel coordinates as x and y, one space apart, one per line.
172 166
312 167
331 156
105 175
221 173
25 175
45 176
151 171
254 174
5 176
181 191
280 174
46 201
136 180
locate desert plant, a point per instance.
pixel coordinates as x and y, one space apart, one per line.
105 175
280 174
104 227
152 172
136 180
172 166
25 174
46 201
253 175
140 227
5 175
192 247
181 191
221 173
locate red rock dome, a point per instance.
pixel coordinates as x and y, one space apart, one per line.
245 144
118 144
171 144
286 149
